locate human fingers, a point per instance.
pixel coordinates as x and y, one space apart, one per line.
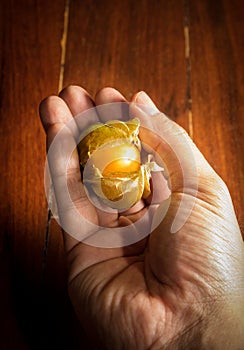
172 146
53 111
77 99
189 174
108 95
81 106
111 104
63 161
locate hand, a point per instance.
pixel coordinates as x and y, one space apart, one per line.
176 291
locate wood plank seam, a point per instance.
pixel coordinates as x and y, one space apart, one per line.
45 248
188 65
63 44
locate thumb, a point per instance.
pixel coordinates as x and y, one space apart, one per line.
172 149
190 232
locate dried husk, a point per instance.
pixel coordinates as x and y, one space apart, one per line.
117 142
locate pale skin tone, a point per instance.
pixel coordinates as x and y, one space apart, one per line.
170 291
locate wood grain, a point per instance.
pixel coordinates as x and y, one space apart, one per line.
217 77
26 59
30 66
130 46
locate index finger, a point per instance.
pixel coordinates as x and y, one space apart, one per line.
174 150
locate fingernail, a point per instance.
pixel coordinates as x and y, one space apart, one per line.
143 99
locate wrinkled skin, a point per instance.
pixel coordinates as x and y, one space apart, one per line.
170 291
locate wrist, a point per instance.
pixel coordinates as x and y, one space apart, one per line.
224 327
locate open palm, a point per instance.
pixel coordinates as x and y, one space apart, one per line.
171 290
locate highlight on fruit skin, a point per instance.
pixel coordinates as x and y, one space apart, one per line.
111 166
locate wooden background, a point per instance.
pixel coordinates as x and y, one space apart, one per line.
188 55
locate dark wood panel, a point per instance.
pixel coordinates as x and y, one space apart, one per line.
11 335
131 46
30 67
30 71
217 56
61 319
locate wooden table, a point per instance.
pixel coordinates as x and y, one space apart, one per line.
188 55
